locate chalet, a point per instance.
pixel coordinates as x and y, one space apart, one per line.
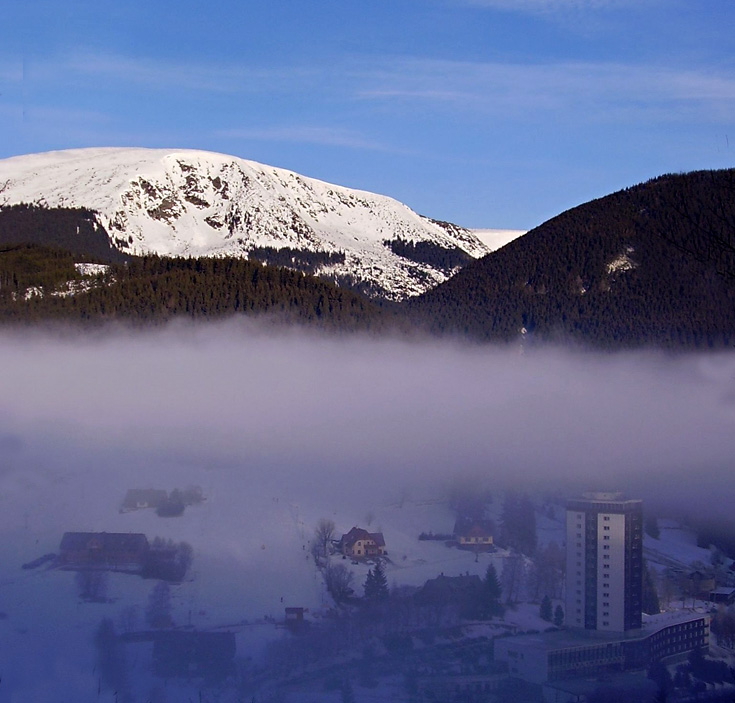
699 584
141 498
477 534
104 550
359 543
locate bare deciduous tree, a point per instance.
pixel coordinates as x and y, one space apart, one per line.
512 576
323 534
338 579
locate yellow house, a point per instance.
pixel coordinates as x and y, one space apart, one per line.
474 533
359 543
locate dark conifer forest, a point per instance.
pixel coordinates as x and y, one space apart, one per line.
650 265
75 230
37 270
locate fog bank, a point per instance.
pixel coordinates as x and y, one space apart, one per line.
296 411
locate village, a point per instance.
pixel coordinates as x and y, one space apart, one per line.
503 619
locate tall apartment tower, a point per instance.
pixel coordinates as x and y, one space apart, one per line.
604 581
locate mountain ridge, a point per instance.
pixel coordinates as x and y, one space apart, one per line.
197 203
652 264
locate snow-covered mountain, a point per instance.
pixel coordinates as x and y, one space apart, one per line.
195 203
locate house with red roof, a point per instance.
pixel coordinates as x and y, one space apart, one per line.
359 543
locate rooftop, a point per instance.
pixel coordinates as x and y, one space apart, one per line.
563 639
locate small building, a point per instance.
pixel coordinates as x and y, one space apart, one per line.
475 534
126 551
699 584
359 543
294 615
141 498
723 596
295 619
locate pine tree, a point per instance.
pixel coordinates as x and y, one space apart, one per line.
376 584
380 582
545 610
369 587
559 616
492 593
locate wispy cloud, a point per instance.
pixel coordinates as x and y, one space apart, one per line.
327 136
190 76
549 6
592 89
600 91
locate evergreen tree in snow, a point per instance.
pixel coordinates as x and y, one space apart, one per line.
559 616
492 593
376 584
545 610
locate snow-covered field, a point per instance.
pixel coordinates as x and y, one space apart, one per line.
676 546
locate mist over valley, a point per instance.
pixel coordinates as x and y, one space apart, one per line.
282 428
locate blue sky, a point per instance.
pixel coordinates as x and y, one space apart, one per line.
488 113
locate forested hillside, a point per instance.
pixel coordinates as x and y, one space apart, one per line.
40 282
652 264
75 230
156 289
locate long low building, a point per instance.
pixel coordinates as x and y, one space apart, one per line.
103 550
555 656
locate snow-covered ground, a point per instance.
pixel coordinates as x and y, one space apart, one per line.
676 546
494 239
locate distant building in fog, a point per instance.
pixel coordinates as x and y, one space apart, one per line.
125 551
475 534
359 543
604 562
141 498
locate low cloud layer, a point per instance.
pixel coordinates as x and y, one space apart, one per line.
300 410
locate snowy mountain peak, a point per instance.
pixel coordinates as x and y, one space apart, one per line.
196 203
